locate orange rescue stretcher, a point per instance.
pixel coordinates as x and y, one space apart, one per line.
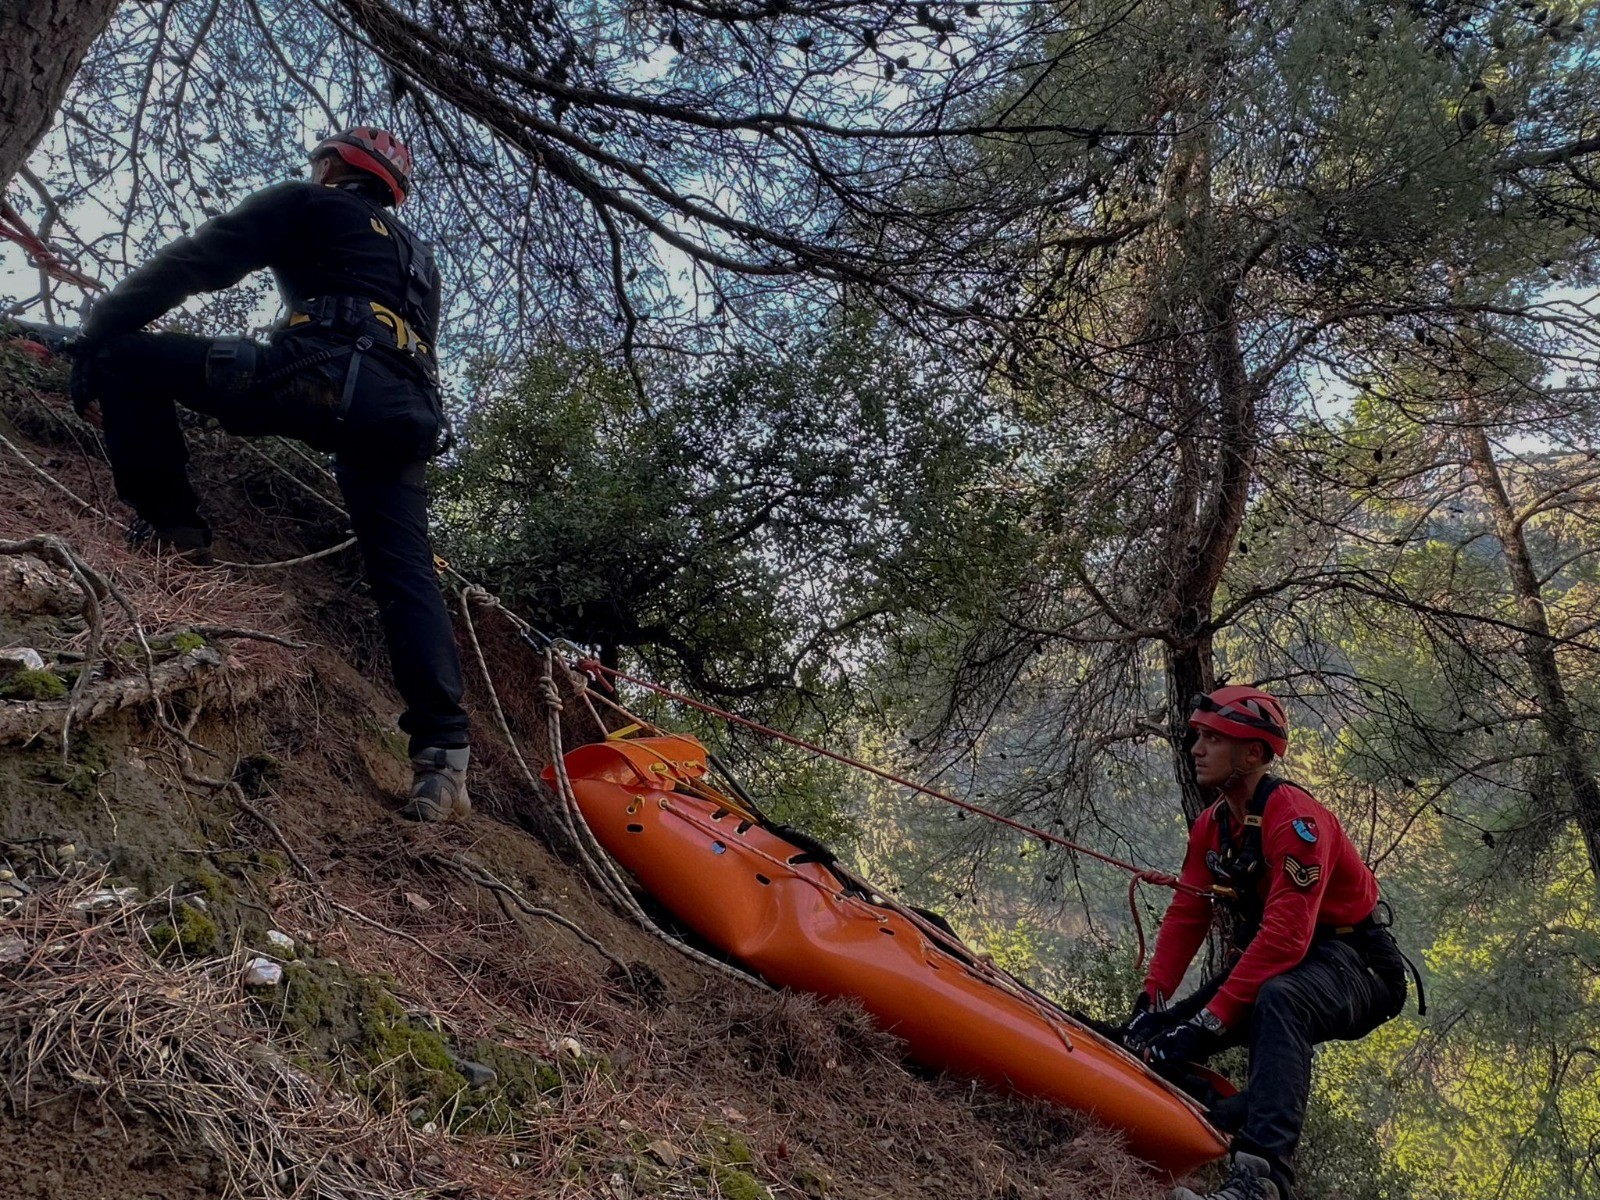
782 909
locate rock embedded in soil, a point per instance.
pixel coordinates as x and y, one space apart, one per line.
20 658
262 973
664 1152
106 899
476 1074
280 941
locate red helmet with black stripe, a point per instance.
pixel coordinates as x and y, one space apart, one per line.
376 151
1246 713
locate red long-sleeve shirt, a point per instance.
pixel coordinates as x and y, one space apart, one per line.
1313 876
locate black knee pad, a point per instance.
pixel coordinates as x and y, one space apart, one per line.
232 366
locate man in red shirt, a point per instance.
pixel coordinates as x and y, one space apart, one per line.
1309 963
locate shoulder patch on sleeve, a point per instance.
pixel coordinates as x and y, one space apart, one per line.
1306 827
1301 875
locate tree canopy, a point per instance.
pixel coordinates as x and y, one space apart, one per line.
974 383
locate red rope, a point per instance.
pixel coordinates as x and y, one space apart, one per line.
595 668
14 229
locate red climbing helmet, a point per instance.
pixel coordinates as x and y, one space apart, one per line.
376 151
1246 713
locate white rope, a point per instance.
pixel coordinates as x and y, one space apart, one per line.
570 797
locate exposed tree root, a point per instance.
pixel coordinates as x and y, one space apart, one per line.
512 903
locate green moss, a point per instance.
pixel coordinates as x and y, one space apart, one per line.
410 1066
186 642
735 1184
316 1001
390 739
395 743
361 1032
214 886
79 774
522 1082
33 685
364 1038
191 933
271 862
729 1147
728 1162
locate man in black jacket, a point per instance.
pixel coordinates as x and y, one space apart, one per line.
350 370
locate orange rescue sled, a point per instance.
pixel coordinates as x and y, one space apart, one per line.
771 905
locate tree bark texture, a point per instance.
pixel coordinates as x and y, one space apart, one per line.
41 44
1538 647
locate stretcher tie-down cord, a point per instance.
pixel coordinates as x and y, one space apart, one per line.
594 859
597 670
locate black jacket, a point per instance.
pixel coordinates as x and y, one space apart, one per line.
316 240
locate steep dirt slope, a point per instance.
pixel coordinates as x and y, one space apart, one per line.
434 1011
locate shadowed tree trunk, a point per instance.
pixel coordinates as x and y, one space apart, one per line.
1538 648
41 44
1216 431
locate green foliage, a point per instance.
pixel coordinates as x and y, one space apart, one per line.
1507 1102
747 531
1339 1155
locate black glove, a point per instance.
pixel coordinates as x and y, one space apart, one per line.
84 387
1146 1023
1194 1041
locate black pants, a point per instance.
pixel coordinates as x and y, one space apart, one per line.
1342 990
140 380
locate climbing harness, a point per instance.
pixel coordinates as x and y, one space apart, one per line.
1238 865
403 334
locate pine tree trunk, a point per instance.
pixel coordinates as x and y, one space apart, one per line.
1210 521
1538 648
1189 672
41 44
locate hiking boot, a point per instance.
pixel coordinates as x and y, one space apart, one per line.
192 543
1249 1180
438 785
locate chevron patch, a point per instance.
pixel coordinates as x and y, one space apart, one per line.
1299 875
